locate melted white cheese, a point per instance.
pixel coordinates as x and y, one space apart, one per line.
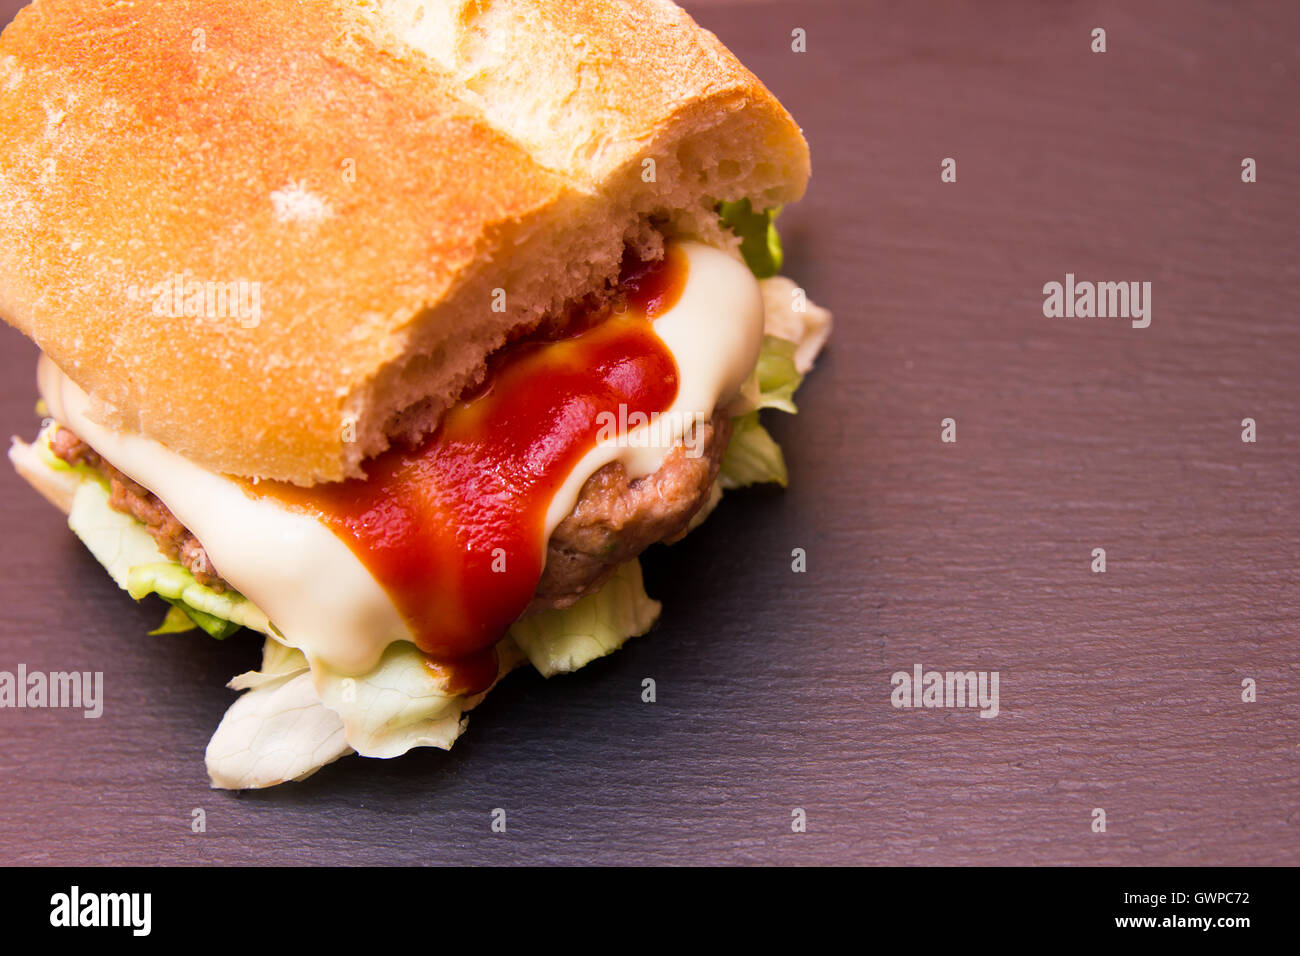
316 592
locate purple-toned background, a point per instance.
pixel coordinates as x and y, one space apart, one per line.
1119 690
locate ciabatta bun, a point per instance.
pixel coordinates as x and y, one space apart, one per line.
376 171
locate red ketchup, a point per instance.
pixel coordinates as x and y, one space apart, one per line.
454 530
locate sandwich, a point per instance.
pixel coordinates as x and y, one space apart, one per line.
392 331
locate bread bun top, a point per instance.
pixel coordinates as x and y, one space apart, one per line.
271 234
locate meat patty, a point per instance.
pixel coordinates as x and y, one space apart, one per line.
614 520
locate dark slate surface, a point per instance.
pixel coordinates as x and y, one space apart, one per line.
1118 691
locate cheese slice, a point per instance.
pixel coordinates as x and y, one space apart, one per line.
317 594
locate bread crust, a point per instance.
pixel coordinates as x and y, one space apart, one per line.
370 185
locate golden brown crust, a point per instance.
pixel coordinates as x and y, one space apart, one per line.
370 188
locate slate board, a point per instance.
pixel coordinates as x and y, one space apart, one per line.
1119 691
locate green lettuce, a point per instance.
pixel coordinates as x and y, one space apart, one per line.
220 615
777 375
560 641
760 243
176 622
752 457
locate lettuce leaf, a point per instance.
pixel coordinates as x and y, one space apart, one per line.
777 375
796 329
789 314
561 641
176 622
760 243
214 626
752 456
278 661
276 732
399 705
220 614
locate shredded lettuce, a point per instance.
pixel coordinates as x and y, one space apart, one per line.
561 641
760 243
